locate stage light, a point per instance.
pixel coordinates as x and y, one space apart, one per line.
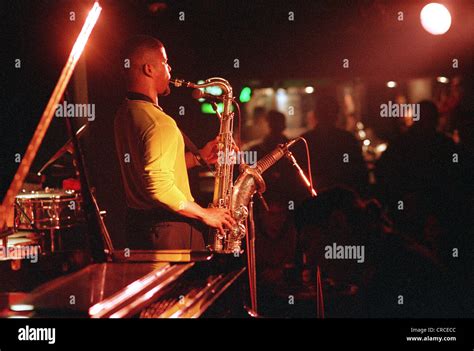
435 18
366 142
281 99
208 109
391 84
245 94
85 33
22 307
213 90
442 80
18 317
381 147
309 90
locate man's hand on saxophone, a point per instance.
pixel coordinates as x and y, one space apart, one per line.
209 151
218 218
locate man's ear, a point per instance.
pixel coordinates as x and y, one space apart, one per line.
147 70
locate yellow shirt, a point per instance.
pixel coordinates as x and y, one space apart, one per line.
150 148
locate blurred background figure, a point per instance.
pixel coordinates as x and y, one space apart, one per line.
418 175
256 128
449 105
276 123
422 180
393 266
276 250
276 240
336 155
279 176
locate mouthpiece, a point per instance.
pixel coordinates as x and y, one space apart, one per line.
180 83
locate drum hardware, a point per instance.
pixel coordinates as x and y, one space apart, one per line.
49 209
19 208
47 213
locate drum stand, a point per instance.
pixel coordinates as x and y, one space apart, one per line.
51 243
52 238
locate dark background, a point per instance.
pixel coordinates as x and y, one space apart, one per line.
270 49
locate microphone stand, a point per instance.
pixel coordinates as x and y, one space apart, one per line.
65 148
319 292
251 263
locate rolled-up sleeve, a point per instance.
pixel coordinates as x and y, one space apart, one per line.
160 147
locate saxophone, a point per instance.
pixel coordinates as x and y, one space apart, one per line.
236 197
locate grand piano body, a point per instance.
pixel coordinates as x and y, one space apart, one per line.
142 285
87 278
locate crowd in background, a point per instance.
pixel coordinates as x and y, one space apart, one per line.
414 219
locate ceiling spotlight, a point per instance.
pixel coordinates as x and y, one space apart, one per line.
381 147
435 18
391 84
309 90
442 80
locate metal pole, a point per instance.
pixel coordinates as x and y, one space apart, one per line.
251 262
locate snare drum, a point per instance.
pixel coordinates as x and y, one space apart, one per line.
49 209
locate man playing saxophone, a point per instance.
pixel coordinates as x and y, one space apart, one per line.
161 211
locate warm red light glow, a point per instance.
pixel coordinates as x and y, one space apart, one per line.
48 113
435 18
86 32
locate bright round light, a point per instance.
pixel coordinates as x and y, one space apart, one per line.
366 142
309 90
435 18
391 84
442 80
381 147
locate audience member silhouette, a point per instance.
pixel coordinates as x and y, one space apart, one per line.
419 174
282 173
396 279
336 155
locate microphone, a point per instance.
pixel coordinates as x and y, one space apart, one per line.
273 157
289 144
199 94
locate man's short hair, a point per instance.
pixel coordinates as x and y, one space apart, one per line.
140 44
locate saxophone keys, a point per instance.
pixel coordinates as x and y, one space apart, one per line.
241 213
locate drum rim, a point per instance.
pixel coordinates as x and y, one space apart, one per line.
43 195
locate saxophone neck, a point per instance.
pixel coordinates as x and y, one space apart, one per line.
211 82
